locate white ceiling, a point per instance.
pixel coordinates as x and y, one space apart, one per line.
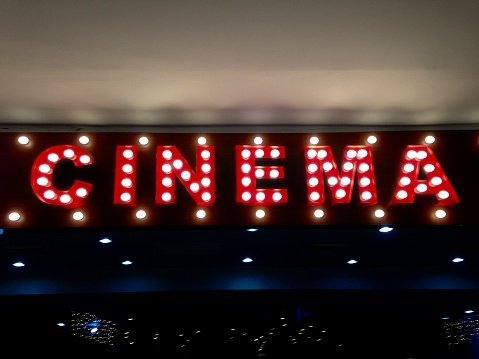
140 62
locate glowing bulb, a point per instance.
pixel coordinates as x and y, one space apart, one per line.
23 140
128 154
125 197
443 194
245 154
366 195
205 182
351 154
259 173
408 167
14 216
379 213
42 181
458 260
205 168
421 155
362 153
65 198
84 140
348 166
126 182
333 181
314 196
274 173
247 260
127 263
195 187
167 154
385 229
275 153
85 159
440 213
201 214
167 182
312 168
246 196
259 153
53 157
18 264
340 193
277 196
429 140
313 182
201 141
44 168
177 164
69 153
363 167
206 196
205 154
311 153
129 168
411 154
319 213
143 140
49 194
322 154
166 197
260 196
429 168
327 166
186 175
141 214
258 140
314 140
372 140
345 181
436 181
352 261
260 213
401 194
246 181
78 216
81 192
404 181
365 181
421 187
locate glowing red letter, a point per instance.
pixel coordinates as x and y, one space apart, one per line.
319 160
409 184
247 173
125 175
200 185
42 174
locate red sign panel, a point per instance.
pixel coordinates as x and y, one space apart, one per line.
56 180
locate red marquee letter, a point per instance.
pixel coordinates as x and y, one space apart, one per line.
247 174
320 160
125 175
200 185
409 185
42 174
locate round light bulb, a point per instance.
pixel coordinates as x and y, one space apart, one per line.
372 140
277 196
126 182
14 216
245 154
166 197
429 140
201 141
141 214
143 140
128 154
53 157
314 140
319 213
440 213
78 216
275 153
379 213
205 182
260 213
125 197
23 140
84 140
201 214
258 140
69 153
81 192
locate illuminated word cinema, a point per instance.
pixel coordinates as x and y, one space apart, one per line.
419 174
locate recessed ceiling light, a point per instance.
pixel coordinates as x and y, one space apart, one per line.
252 229
127 263
352 261
105 240
385 229
247 260
18 264
458 260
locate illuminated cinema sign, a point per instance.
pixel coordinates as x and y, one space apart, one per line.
56 180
